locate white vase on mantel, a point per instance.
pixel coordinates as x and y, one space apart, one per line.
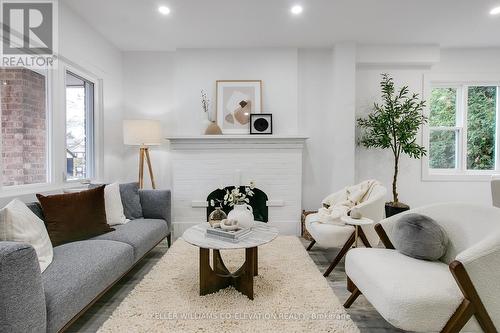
243 213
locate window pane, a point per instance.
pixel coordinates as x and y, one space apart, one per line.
79 108
481 120
442 149
443 107
24 130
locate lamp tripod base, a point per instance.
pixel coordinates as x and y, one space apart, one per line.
144 155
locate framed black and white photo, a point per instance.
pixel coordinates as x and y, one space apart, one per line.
236 101
261 123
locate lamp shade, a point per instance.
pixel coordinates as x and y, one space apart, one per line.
141 132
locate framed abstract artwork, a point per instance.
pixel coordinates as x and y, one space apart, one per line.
236 100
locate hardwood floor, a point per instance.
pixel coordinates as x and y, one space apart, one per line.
363 314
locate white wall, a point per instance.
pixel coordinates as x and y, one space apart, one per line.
315 88
299 87
86 48
166 86
378 164
148 93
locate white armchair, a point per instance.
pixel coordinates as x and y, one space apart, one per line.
425 296
343 236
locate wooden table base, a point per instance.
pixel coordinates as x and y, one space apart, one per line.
219 277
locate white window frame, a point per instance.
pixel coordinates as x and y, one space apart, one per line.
461 82
96 171
56 137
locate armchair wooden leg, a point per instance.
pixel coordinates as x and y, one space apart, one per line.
341 254
350 285
355 294
169 240
311 245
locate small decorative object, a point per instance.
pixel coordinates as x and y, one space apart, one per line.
242 211
395 125
236 101
355 213
229 225
233 236
216 217
261 123
212 128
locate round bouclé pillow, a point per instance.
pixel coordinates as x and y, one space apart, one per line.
419 236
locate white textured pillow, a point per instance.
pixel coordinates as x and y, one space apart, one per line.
113 204
19 224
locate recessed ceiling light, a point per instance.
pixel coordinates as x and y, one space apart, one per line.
164 10
495 11
296 10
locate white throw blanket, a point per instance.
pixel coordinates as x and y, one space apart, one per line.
339 204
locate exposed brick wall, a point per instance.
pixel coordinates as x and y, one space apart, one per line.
24 131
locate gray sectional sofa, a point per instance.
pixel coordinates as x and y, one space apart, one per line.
80 273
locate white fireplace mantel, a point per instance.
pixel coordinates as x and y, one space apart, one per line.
200 164
237 141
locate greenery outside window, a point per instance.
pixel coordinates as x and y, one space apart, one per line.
462 133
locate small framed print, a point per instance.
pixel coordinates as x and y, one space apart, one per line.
261 123
236 102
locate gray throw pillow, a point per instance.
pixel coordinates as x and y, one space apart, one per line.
36 208
131 201
419 236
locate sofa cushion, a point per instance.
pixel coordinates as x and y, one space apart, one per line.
411 294
78 273
420 237
141 234
74 216
36 208
19 224
131 201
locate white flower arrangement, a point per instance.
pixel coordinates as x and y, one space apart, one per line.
235 197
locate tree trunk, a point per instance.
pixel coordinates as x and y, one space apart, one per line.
394 181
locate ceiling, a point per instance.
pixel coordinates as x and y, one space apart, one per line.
137 25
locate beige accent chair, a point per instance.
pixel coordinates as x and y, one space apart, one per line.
343 236
461 292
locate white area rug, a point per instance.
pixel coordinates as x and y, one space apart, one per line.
290 294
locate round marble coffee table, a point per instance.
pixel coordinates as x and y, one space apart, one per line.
219 277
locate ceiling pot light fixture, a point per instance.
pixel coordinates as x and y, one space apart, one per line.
164 10
296 10
495 11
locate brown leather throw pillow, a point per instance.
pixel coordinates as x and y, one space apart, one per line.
74 216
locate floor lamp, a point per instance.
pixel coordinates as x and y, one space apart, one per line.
142 133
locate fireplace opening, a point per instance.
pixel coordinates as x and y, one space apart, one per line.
258 202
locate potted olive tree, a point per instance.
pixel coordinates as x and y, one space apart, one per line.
394 125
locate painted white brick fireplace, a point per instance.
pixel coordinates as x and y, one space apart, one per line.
201 164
